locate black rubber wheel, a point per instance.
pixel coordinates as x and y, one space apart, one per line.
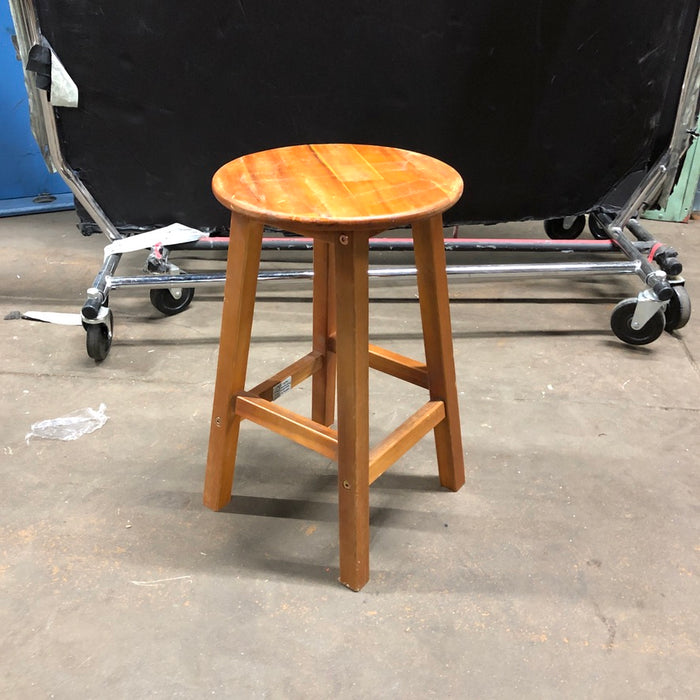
98 339
678 309
597 229
621 324
170 305
556 228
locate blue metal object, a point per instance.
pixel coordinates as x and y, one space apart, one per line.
26 185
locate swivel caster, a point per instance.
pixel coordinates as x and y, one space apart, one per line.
565 229
98 339
621 322
172 301
678 309
597 229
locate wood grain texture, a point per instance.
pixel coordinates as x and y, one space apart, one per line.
404 438
434 302
295 373
323 382
331 187
291 425
399 366
236 325
352 341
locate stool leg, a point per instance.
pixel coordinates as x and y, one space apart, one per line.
242 267
437 336
352 300
323 381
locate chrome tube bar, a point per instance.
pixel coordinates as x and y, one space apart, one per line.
98 294
627 267
645 192
646 270
469 271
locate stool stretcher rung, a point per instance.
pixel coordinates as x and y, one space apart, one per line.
290 376
291 425
404 438
398 366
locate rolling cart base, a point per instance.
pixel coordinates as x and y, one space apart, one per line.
663 303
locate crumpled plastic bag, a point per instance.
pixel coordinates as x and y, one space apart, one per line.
71 426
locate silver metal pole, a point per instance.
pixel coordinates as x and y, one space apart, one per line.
468 271
25 17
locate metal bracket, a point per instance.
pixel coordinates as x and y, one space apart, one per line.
97 294
103 317
158 265
647 305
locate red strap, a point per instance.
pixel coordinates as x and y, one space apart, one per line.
653 250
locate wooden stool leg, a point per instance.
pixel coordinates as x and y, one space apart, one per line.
352 295
323 381
242 268
437 335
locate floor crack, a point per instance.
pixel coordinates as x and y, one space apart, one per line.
689 355
610 625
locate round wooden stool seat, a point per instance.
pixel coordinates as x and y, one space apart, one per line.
341 195
329 187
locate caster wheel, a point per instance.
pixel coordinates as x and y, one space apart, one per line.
678 309
98 340
171 302
565 229
597 229
621 324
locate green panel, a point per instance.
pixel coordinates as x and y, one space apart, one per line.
680 203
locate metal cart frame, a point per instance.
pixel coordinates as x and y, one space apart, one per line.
663 303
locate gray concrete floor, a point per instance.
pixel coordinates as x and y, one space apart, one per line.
566 567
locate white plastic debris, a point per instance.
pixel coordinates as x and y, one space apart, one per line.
61 319
69 427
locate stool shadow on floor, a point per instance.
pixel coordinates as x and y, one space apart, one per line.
327 511
293 536
306 560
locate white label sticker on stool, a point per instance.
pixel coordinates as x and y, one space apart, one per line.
282 388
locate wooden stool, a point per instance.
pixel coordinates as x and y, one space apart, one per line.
341 195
